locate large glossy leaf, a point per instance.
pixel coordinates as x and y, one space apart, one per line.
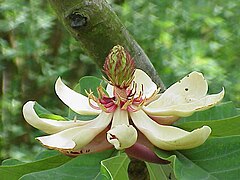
116 167
158 171
15 170
224 127
82 167
218 158
221 111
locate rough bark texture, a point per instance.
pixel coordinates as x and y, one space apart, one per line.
97 27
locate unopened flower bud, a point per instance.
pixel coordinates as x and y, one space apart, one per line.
119 67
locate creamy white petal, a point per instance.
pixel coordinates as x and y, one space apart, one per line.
77 102
98 144
120 117
164 120
77 137
185 109
49 126
190 88
142 79
169 137
122 136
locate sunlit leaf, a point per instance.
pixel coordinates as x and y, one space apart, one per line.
40 110
116 167
43 113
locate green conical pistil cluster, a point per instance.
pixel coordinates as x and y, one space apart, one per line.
119 67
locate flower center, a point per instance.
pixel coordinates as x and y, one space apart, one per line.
128 99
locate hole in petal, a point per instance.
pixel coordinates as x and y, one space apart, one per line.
113 137
186 89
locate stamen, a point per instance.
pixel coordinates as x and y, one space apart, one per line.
92 97
125 98
101 92
133 91
131 109
126 104
153 96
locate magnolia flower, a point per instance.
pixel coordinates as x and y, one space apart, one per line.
128 112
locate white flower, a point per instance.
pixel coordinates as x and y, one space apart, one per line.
124 113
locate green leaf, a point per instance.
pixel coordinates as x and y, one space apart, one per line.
42 155
224 127
223 119
46 154
90 83
116 167
82 167
40 110
16 171
218 158
43 113
221 111
158 171
10 162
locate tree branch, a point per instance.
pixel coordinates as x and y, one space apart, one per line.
97 27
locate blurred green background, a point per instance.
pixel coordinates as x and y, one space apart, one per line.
178 36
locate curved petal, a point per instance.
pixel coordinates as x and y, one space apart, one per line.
142 79
190 88
77 102
49 126
185 109
169 137
77 137
98 144
122 136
